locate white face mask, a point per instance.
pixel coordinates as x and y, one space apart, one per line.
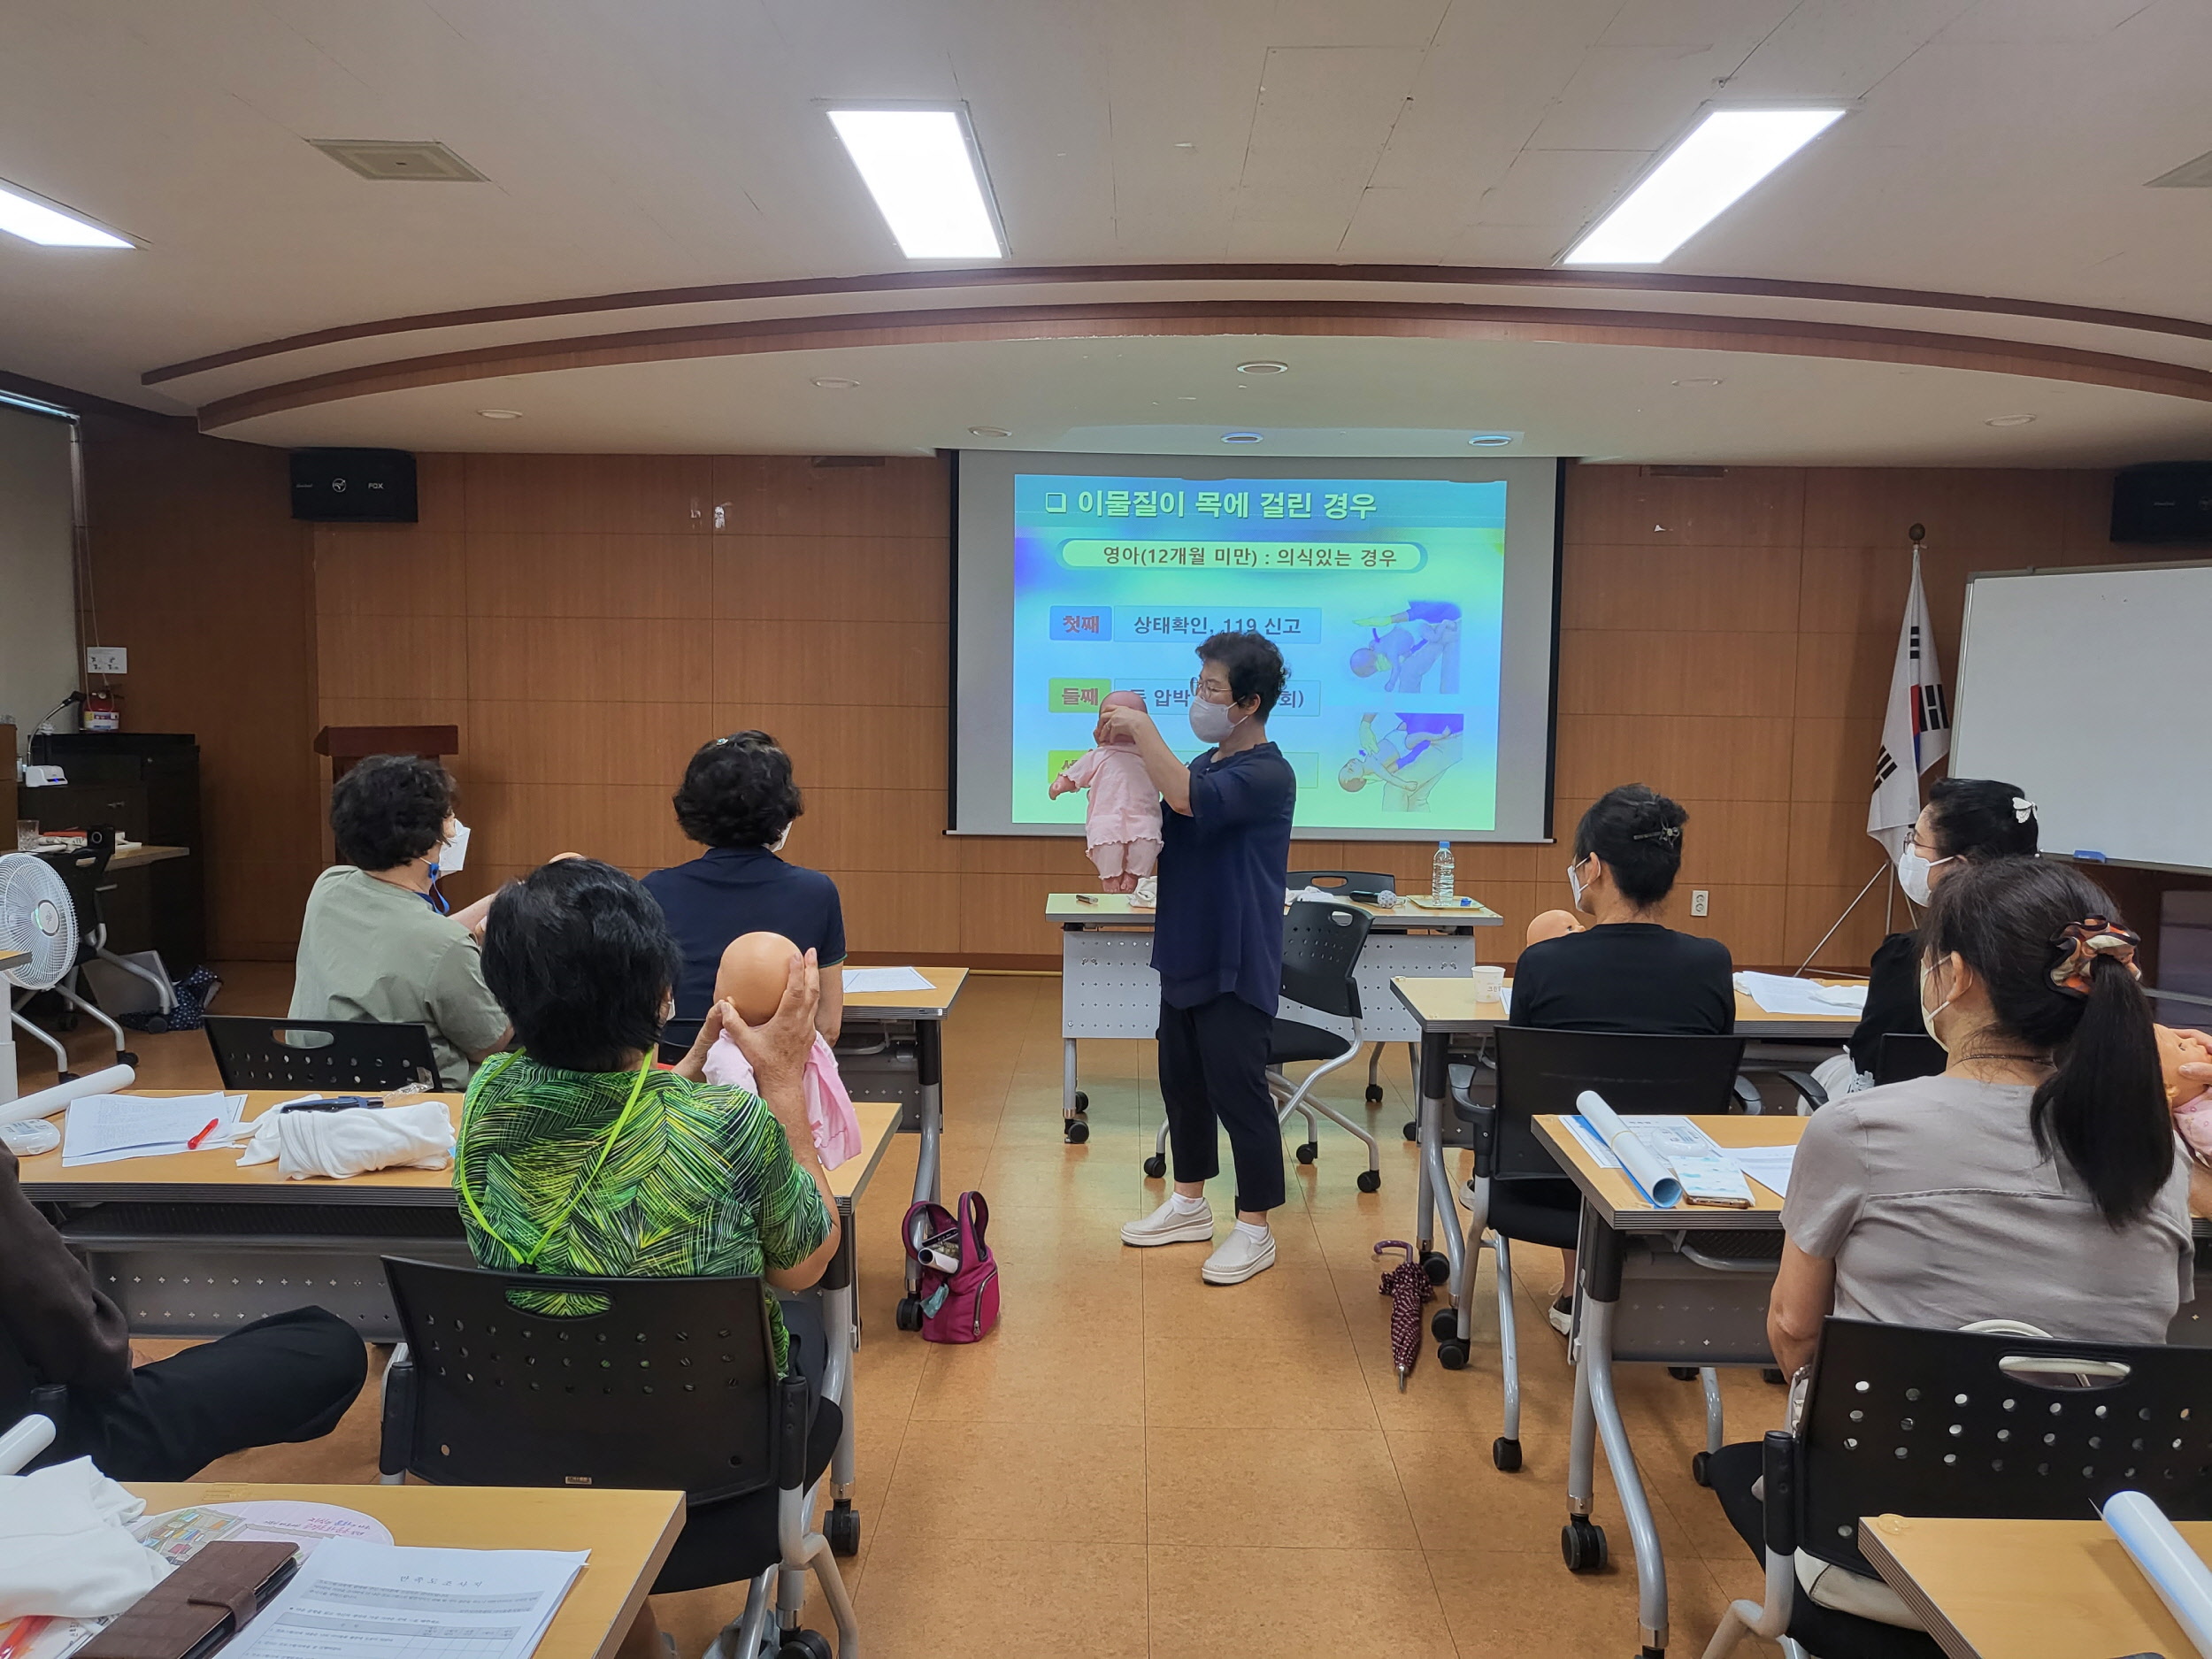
776 846
1211 722
447 857
1912 873
1928 1015
1574 885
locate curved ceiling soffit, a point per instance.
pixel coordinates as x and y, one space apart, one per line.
1470 276
1775 336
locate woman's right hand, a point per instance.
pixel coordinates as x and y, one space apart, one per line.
778 1048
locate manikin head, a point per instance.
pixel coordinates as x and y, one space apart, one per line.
1116 700
755 968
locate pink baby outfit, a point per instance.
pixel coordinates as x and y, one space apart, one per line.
1121 825
829 1109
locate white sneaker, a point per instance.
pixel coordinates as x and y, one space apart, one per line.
1170 1225
1239 1257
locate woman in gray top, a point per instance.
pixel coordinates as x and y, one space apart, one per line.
2037 1179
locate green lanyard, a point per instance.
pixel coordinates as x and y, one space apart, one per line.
460 1167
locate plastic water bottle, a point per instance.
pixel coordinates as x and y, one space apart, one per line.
1440 872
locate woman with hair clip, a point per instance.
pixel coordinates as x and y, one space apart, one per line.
1627 972
1966 820
2037 1177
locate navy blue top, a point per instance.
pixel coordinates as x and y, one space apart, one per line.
1627 976
733 890
1219 928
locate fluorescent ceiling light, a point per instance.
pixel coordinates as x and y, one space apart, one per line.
1725 154
926 175
25 216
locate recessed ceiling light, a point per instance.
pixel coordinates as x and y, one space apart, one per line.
1693 383
831 383
1241 437
1264 366
1492 439
990 432
2010 420
501 414
1725 155
23 215
925 173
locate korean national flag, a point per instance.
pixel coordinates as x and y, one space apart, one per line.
1916 727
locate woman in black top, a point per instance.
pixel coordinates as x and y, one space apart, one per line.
1627 972
1966 820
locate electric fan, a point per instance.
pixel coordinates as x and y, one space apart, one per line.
39 925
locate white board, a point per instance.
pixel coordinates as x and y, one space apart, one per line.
2092 689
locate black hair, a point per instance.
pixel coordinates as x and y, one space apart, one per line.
1254 665
738 792
2104 1109
390 809
1980 818
1638 831
580 957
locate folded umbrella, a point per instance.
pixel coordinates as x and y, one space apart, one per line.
1408 1287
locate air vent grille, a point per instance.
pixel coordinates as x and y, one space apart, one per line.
426 162
2191 175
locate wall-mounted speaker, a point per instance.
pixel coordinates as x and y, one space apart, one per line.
353 486
2168 502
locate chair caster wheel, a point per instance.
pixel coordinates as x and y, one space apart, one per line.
1374 1094
1506 1453
1155 1167
910 1314
1444 1325
1452 1356
157 1024
1075 1132
805 1644
1582 1545
842 1527
1439 1268
68 1021
1082 1100
1772 1374
65 1077
1308 1151
1371 1180
124 1057
1701 1468
1413 1132
1683 1373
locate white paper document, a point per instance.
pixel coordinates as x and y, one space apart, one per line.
102 1128
885 980
1770 1166
354 1600
1781 994
1669 1135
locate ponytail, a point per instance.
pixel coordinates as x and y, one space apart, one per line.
2058 963
2094 1109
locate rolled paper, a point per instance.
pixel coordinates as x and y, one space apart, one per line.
47 1101
1645 1167
2177 1573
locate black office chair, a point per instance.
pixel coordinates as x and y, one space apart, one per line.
1365 886
253 1051
82 870
1899 1056
677 1036
1321 947
1517 1191
1900 1421
672 1386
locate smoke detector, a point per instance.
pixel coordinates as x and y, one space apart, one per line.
425 162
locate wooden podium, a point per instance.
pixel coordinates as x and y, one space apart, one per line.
348 744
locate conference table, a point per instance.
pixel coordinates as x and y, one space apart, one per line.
918 1016
191 1244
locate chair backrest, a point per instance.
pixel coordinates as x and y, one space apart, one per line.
252 1051
1911 1422
677 1036
1541 1071
1321 947
669 1386
1902 1055
1351 884
82 870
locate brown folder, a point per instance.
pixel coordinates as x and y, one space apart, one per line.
200 1606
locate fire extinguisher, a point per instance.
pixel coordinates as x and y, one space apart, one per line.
102 711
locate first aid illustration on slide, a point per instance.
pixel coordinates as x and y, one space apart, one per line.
1384 595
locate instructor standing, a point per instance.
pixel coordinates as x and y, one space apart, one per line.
1218 942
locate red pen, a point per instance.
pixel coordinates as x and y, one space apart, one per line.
192 1145
17 1636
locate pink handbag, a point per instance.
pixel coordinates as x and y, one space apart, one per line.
955 1286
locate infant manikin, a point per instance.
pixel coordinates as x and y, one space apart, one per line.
752 978
1121 827
2190 1098
1552 925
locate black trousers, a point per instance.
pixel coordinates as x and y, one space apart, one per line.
1213 1071
287 1378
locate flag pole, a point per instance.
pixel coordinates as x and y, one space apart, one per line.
1846 917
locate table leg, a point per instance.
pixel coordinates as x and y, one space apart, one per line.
929 1057
842 1337
1599 1265
1435 1209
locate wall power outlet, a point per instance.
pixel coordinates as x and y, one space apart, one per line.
1701 901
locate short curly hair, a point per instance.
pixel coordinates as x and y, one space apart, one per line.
738 792
390 809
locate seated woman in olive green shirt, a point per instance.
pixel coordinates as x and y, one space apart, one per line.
577 1157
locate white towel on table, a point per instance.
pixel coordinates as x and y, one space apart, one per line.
353 1141
66 1545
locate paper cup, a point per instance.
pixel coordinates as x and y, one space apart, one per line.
1488 983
